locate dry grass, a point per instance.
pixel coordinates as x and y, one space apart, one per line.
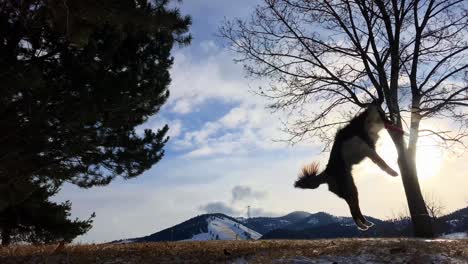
388 250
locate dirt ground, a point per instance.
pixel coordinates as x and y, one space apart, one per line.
262 251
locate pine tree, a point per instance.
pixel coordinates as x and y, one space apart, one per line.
77 77
38 220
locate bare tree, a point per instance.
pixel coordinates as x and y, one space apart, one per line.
435 206
323 56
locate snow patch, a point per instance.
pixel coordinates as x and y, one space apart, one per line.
458 235
453 222
222 228
125 241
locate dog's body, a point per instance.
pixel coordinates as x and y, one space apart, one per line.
352 144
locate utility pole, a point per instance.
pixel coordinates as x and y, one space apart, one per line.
248 212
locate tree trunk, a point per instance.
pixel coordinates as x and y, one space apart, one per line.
6 236
422 222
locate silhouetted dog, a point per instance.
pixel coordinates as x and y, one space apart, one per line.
352 144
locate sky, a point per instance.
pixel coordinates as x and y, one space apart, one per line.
224 153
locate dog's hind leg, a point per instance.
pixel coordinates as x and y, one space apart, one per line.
353 203
354 207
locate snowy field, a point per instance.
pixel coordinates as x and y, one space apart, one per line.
250 251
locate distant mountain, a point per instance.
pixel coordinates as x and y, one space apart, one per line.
297 221
295 216
202 227
322 225
454 222
319 219
266 224
297 225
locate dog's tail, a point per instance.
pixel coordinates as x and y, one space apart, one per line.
309 177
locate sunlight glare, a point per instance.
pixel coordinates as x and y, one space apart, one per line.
429 156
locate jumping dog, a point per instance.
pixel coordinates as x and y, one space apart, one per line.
352 144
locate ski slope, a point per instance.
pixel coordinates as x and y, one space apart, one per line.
222 228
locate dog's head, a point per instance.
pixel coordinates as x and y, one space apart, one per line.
378 119
375 119
376 114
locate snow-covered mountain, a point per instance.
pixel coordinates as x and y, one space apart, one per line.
200 228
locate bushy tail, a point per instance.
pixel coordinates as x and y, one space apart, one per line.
309 177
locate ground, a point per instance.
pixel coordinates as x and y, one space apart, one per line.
261 251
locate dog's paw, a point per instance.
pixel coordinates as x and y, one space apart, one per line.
361 226
369 223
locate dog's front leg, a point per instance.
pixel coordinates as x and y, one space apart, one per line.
372 154
357 144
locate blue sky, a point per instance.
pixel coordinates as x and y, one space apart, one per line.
223 156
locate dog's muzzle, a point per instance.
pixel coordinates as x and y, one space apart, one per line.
391 127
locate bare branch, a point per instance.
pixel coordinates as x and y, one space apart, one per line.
326 54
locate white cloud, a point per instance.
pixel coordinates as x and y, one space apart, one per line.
245 128
206 151
182 107
235 117
214 77
175 128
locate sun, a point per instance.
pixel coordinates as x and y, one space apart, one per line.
429 156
